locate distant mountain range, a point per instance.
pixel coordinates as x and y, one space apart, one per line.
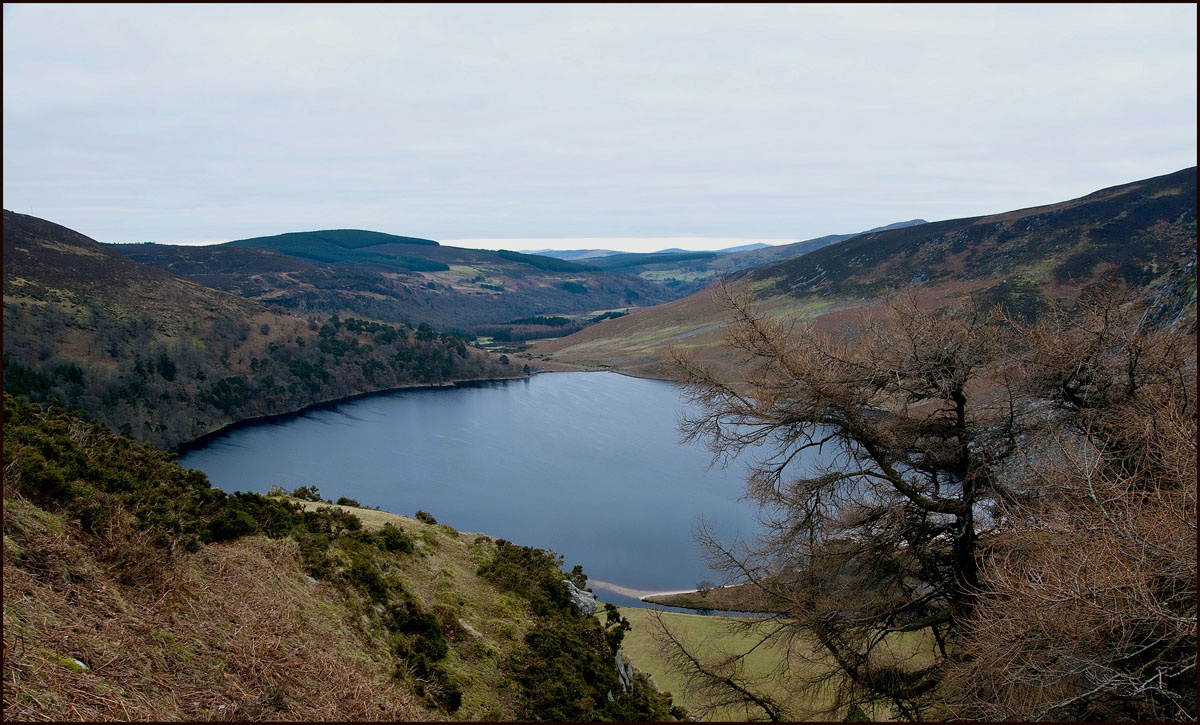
572 254
409 279
578 254
752 257
1141 228
347 245
398 279
782 250
684 271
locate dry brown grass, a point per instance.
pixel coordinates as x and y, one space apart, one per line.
238 633
638 344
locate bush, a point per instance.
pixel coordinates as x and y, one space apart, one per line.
390 538
334 520
365 576
231 524
425 517
531 573
422 630
566 673
307 493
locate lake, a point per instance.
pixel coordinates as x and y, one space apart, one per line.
589 465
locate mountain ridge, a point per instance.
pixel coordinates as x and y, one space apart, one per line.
1148 227
1075 235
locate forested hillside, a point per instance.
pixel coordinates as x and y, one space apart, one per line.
164 360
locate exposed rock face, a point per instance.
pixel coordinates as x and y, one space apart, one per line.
586 601
625 673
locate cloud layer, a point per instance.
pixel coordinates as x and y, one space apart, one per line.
181 123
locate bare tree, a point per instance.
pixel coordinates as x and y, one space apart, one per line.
1089 604
1003 525
875 552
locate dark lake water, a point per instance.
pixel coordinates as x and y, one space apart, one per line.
589 465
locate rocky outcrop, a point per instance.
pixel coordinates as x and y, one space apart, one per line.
625 673
586 601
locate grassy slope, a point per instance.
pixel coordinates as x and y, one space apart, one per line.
639 342
235 631
445 574
238 631
771 668
713 637
45 263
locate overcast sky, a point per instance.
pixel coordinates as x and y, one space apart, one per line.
205 123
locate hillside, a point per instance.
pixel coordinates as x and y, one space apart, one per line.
397 279
50 264
135 591
1147 229
165 360
1143 228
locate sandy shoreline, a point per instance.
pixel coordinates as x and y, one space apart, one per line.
630 592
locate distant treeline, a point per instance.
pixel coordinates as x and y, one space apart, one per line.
617 262
539 327
347 246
